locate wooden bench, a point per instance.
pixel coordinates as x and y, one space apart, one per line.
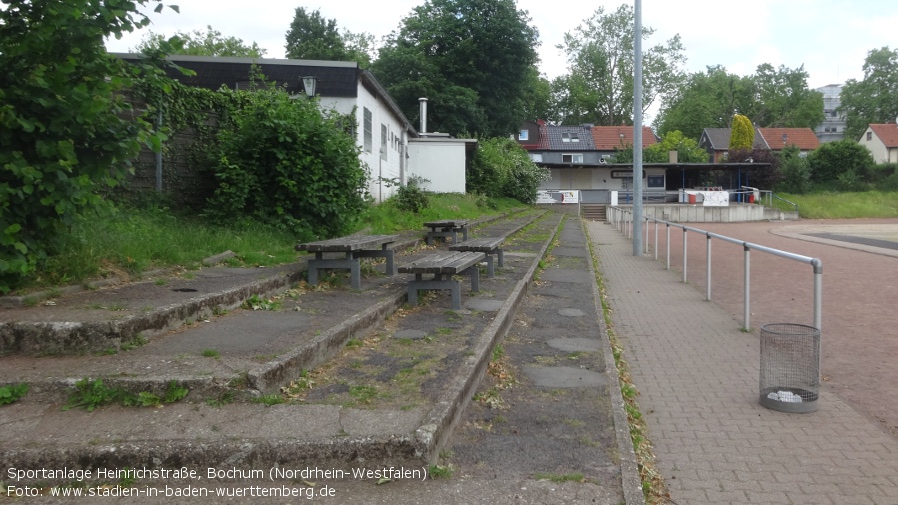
486 245
447 228
443 265
353 248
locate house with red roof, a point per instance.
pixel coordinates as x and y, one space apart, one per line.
882 141
777 139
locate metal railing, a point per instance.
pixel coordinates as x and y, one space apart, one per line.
623 219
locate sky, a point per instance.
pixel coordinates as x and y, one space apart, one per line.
831 38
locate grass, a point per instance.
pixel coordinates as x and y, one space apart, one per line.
128 241
840 205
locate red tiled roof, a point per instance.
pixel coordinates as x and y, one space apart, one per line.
887 133
608 138
802 138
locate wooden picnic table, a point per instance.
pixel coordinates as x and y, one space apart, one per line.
353 247
446 228
486 245
442 266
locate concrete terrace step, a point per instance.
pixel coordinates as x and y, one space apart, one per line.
391 396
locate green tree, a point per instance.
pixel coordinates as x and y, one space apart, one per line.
688 150
796 171
65 128
312 37
874 99
784 100
841 164
742 136
198 43
472 59
599 85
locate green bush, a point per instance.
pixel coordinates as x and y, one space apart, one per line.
796 171
285 163
833 159
65 129
412 197
501 168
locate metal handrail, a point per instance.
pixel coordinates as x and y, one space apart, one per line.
623 219
793 204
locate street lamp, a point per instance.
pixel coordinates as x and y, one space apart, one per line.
308 84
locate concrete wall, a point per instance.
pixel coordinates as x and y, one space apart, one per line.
440 161
735 213
594 178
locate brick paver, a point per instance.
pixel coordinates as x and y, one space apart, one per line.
697 374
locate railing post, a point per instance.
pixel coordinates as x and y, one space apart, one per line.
646 246
818 294
708 273
685 235
746 311
668 246
656 240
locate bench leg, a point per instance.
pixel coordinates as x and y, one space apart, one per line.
355 275
474 272
490 270
501 258
313 275
438 283
391 267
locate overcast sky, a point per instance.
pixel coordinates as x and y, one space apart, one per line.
831 38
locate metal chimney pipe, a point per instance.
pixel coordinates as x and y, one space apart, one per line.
423 103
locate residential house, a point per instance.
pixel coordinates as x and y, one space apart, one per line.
383 133
776 139
882 141
717 142
578 157
833 126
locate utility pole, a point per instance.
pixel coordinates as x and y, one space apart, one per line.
637 130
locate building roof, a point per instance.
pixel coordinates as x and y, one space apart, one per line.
887 133
609 138
567 138
777 138
336 79
719 139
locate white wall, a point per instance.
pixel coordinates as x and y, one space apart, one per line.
377 167
440 161
590 178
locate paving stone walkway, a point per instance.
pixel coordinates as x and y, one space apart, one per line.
698 375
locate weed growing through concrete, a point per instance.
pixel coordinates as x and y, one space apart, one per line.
12 393
211 353
90 394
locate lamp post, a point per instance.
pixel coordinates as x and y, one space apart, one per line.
308 85
637 129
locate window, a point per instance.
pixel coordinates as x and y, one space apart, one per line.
572 158
524 135
655 181
869 135
383 142
366 114
536 157
570 137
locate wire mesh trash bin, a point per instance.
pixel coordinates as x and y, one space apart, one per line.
790 367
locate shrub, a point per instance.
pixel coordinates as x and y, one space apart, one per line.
412 197
833 159
501 168
796 171
284 162
64 127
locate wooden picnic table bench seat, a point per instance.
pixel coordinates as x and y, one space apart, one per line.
442 266
446 228
353 247
486 245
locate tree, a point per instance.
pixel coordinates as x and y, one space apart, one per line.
742 136
796 171
600 64
875 98
842 164
688 150
784 100
65 128
708 99
472 59
197 43
312 37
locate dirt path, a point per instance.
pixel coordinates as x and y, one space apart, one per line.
860 295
